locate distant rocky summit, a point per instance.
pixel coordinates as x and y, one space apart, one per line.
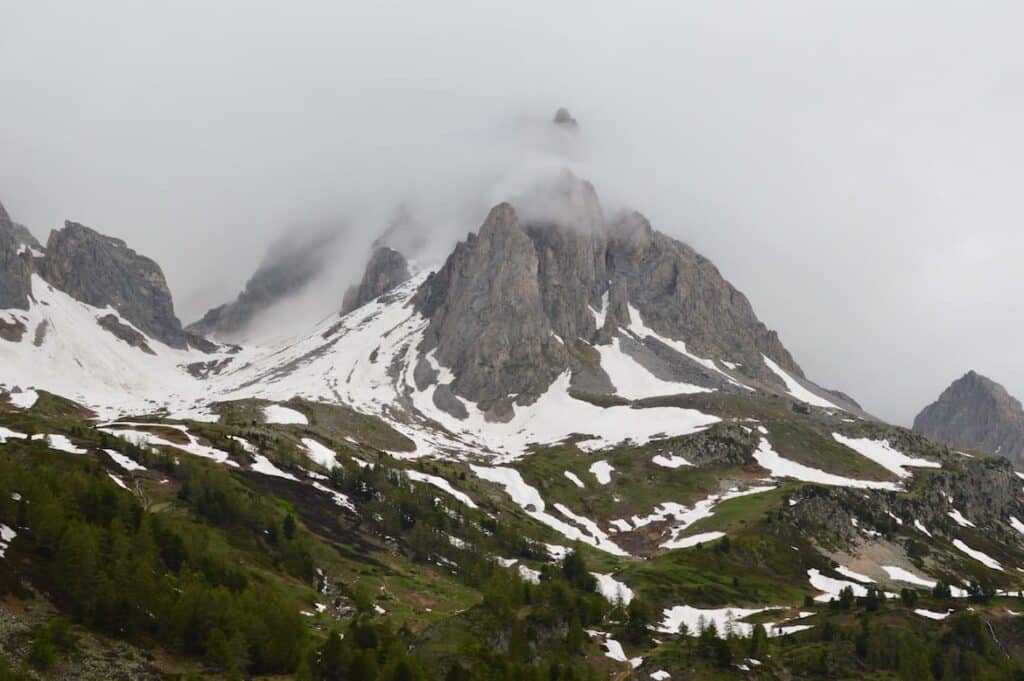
975 412
386 269
565 119
290 264
16 263
101 270
549 277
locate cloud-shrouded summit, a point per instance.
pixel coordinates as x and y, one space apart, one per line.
848 170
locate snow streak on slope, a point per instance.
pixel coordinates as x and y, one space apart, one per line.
796 389
632 380
276 413
983 558
440 483
531 501
641 331
779 467
882 453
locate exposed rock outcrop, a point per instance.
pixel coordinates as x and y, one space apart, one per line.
487 317
101 271
16 264
975 412
288 267
386 269
565 119
111 323
681 295
525 300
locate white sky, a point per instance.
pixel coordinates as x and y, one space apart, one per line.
854 168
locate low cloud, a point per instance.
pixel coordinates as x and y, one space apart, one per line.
852 169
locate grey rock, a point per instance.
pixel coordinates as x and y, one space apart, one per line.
101 270
16 265
487 318
975 412
386 269
540 270
446 400
681 295
12 330
111 323
564 118
290 264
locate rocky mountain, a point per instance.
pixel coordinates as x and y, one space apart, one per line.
386 269
97 270
16 264
564 452
288 266
975 412
539 289
102 271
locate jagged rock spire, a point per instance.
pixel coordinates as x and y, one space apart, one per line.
386 269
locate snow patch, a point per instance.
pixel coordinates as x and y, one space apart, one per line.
797 390
982 558
532 503
932 615
671 461
124 461
898 574
779 467
266 467
7 535
320 453
847 572
441 484
24 399
633 380
275 413
119 481
612 589
575 479
602 470
959 518
882 453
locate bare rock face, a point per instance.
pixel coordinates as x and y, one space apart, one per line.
522 302
101 270
681 295
386 269
975 412
111 323
288 267
487 317
16 264
564 118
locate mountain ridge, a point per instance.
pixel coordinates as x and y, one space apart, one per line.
975 412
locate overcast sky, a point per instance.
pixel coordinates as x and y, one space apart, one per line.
854 168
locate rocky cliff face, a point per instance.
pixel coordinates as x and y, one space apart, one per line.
101 270
487 318
287 268
681 294
527 298
976 412
386 269
16 264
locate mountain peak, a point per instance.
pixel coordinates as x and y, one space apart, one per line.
976 412
101 270
16 265
386 269
547 279
564 119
